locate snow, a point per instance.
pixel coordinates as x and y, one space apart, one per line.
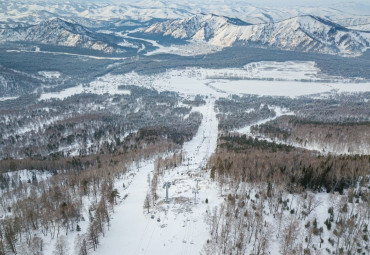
7 98
323 148
303 33
279 112
289 70
19 11
37 124
287 88
97 46
50 74
190 49
288 79
96 87
181 229
25 175
63 94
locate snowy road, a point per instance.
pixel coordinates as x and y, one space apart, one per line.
182 229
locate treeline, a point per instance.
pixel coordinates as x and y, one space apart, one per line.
282 199
346 138
251 160
238 111
162 136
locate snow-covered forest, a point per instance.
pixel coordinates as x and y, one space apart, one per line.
159 127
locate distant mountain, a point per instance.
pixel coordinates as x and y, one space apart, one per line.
358 23
57 32
92 14
303 33
21 11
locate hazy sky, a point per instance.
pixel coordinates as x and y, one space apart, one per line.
268 2
361 5
254 2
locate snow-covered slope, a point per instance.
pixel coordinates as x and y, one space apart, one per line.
199 27
35 11
57 32
304 33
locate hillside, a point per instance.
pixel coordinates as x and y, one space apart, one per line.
303 33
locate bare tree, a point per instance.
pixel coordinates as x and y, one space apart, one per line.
61 246
289 236
147 202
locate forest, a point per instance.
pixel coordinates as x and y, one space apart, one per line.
75 155
301 199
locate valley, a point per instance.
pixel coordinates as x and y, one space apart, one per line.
165 127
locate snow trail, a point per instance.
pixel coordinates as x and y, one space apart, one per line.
181 229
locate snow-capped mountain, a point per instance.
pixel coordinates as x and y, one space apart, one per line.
304 33
57 32
357 23
93 13
38 11
198 27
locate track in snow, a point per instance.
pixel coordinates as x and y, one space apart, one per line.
182 229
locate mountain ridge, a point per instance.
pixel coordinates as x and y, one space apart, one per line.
57 32
307 33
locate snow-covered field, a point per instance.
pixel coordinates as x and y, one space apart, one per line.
7 98
262 78
96 87
64 53
190 49
289 70
181 229
50 74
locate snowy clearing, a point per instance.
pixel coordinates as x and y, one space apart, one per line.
7 98
279 112
323 148
270 81
96 87
50 74
191 49
65 53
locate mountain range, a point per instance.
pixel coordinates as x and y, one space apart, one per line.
92 26
58 32
304 33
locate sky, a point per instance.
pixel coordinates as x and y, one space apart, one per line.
274 3
359 7
362 6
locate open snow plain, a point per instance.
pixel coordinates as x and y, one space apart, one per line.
291 79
